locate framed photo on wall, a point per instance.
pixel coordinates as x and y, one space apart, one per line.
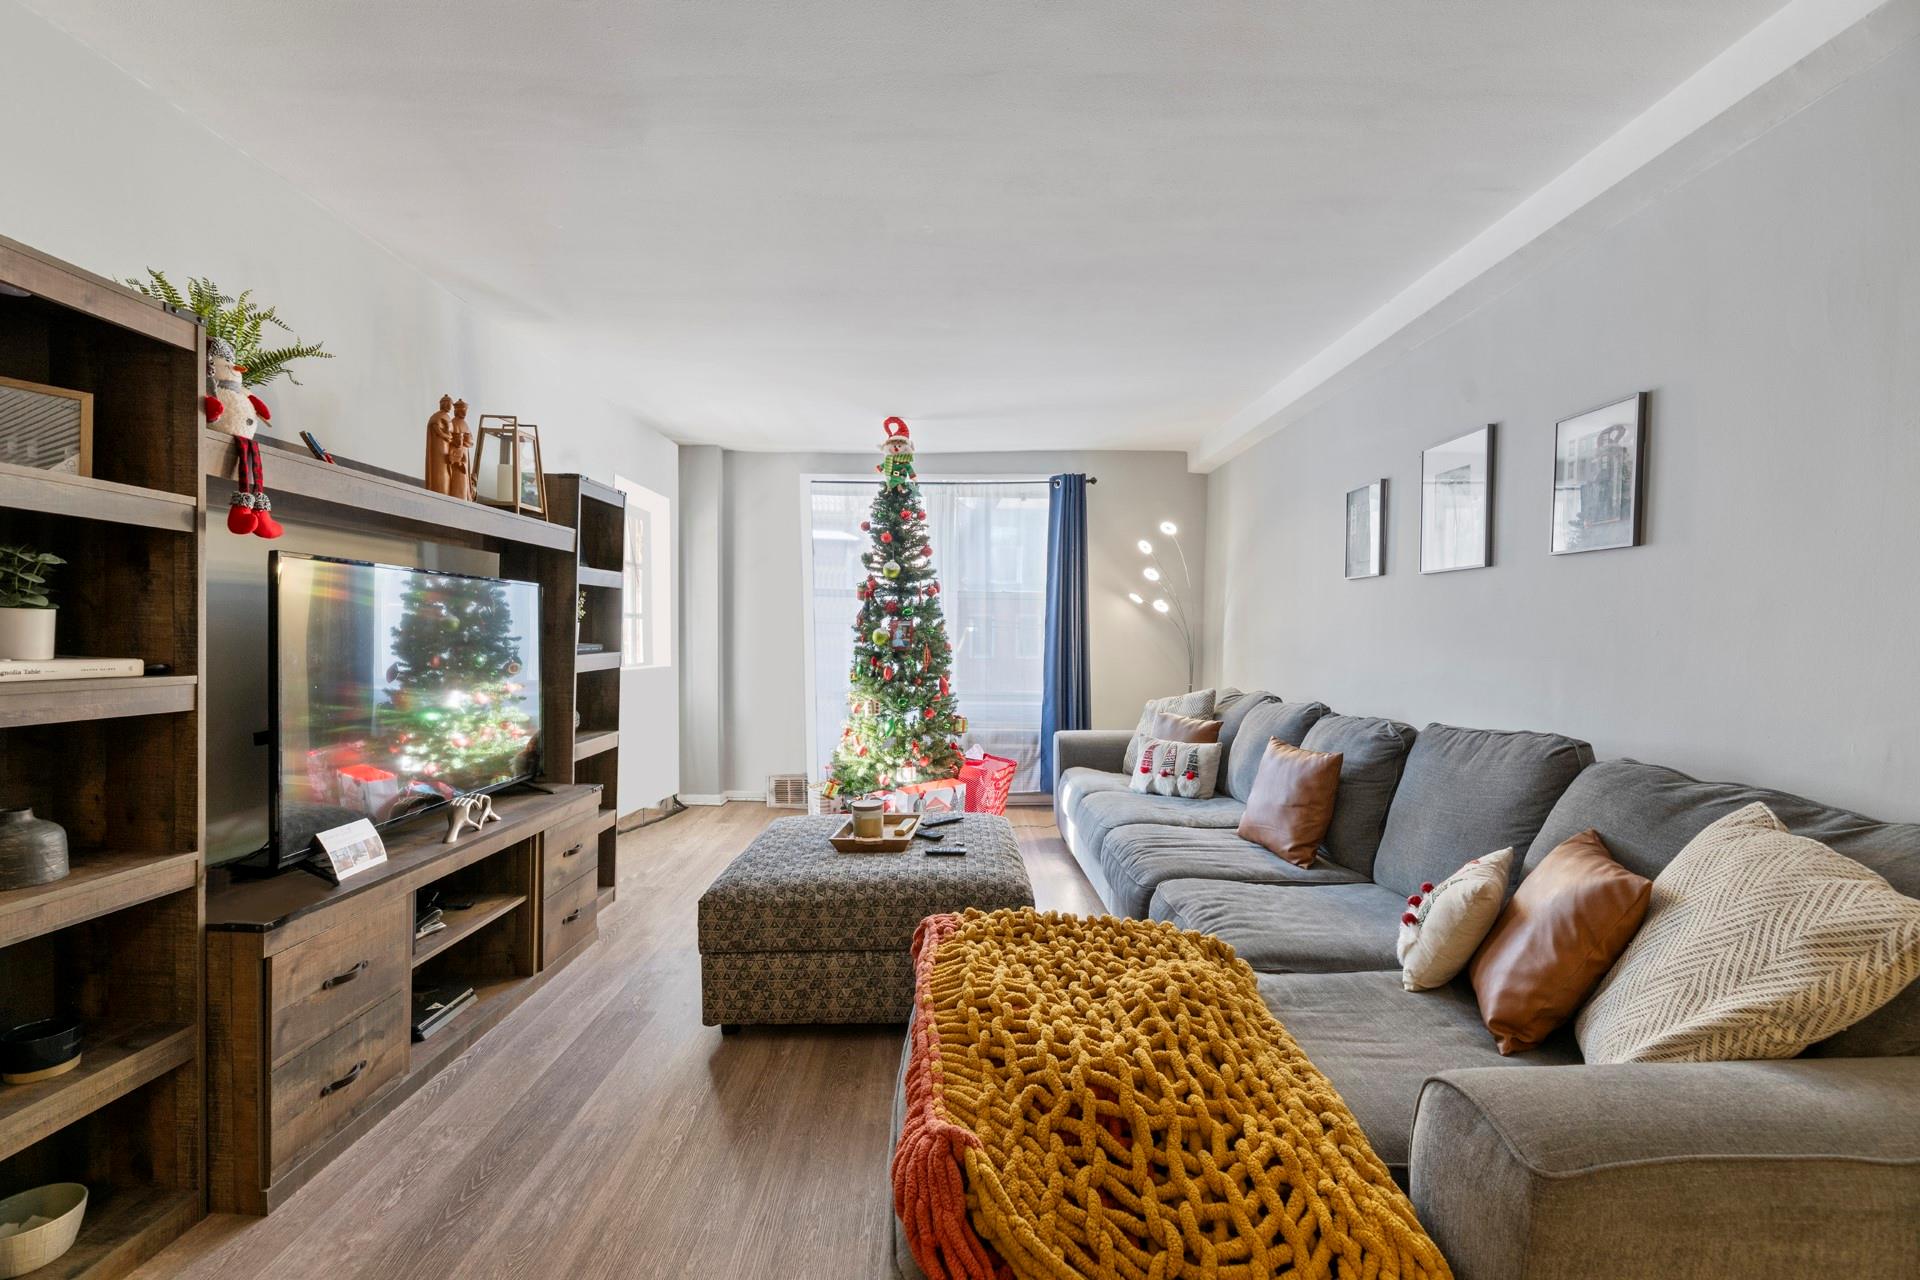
1456 503
1366 530
1599 476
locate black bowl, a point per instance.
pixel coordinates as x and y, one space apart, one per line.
36 1046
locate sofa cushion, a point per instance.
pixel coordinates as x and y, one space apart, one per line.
1466 792
1378 1043
1077 784
1174 767
1231 708
1555 940
1372 753
1291 804
1647 814
1291 928
1137 860
1102 811
1168 726
1758 943
1287 721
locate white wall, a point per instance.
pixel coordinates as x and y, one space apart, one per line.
761 724
1766 633
100 171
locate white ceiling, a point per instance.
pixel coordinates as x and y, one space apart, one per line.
1084 223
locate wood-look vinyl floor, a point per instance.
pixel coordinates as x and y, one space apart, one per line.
600 1132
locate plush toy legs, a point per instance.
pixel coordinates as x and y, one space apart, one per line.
250 510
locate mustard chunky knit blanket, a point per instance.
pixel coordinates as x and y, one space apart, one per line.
1106 1098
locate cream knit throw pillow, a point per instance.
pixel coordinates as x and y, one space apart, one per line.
1445 923
1757 943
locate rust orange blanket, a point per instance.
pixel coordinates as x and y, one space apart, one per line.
1106 1098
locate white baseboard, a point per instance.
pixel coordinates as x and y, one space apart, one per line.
725 797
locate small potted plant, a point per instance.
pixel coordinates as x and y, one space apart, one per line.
26 614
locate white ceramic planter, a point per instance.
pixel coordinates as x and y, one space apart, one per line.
27 634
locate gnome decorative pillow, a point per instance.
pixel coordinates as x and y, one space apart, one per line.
1445 923
1185 769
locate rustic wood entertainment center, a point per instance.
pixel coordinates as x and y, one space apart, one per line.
237 1035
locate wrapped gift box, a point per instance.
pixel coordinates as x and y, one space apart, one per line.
946 795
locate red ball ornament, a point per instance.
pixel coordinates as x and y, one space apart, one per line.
865 525
885 536
929 712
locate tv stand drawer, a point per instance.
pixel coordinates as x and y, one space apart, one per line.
319 985
569 853
319 1091
568 918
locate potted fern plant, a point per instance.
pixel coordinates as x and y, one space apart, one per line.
26 613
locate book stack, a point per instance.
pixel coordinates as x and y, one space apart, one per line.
435 1007
25 669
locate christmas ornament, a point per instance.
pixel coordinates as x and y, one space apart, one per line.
891 568
880 636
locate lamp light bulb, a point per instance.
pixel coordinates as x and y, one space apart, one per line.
1146 548
1160 606
1169 528
1150 573
1135 597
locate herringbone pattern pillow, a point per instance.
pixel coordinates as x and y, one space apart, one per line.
1757 943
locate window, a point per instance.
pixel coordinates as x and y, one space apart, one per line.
646 596
990 551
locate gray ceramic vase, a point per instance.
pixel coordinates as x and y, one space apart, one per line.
32 850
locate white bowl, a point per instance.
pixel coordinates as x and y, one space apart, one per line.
64 1203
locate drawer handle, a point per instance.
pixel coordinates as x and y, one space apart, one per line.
576 848
344 1080
341 979
572 916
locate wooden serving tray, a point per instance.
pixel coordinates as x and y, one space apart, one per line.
899 828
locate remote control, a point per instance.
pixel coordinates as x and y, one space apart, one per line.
947 851
941 819
931 837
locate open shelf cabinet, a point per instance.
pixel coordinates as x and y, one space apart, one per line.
118 942
582 699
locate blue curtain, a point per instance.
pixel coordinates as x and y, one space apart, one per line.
1066 700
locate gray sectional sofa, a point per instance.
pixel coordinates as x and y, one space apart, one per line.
1533 1166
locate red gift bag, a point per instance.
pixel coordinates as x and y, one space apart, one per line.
989 781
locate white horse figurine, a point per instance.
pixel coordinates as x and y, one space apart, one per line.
468 811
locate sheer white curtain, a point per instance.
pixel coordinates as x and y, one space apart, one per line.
990 549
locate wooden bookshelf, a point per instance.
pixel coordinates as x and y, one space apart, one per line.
118 943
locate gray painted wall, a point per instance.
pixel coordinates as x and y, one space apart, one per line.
1767 631
761 721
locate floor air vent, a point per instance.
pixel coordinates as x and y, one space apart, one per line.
787 791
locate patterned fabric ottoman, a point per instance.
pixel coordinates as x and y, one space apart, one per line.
796 931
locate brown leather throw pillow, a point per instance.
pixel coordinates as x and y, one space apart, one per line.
1291 804
1556 938
1169 726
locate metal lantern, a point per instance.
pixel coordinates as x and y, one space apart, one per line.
510 476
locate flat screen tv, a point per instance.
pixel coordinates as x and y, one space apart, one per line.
394 690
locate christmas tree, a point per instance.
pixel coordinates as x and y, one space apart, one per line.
901 724
454 714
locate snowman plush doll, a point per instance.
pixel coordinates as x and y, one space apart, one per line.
235 410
